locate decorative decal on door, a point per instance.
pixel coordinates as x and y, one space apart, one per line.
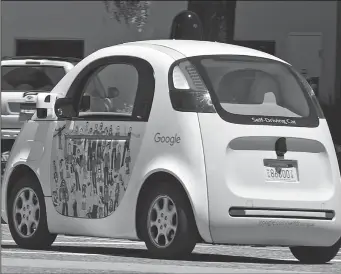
91 168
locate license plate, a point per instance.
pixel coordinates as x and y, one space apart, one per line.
281 171
26 111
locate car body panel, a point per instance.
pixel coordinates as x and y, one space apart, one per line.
239 151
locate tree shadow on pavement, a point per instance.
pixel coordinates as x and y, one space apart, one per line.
142 253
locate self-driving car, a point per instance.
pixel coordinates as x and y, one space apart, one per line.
177 142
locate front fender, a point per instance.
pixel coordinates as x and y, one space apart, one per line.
29 150
6 184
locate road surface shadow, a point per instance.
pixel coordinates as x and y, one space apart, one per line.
142 253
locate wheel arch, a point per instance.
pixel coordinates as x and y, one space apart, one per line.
18 171
149 182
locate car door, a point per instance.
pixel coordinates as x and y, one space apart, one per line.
94 154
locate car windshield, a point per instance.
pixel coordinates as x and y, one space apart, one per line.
24 78
254 86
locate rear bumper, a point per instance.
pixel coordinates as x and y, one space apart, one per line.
9 133
276 231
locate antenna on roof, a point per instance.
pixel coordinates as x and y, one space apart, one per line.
187 26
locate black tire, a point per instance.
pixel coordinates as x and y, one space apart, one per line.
316 255
186 236
41 238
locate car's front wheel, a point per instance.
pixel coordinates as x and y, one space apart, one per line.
316 255
168 223
27 215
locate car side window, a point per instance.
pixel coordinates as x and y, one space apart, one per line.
112 88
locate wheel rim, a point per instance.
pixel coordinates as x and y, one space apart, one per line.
162 221
26 212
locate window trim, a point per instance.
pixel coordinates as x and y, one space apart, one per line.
144 94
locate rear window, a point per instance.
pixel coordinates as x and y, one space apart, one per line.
255 90
24 78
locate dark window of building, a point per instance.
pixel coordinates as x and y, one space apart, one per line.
58 48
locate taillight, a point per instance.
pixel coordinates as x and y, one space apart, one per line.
188 91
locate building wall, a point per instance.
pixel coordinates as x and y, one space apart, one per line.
86 20
274 20
255 20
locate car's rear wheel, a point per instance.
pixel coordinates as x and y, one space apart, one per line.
168 223
316 255
27 215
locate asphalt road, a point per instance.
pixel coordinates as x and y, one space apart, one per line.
95 255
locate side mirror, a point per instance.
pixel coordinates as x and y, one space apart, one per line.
85 104
113 92
64 108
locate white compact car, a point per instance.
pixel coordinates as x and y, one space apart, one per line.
22 74
174 143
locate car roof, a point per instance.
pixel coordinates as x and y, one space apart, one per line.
190 48
41 58
66 63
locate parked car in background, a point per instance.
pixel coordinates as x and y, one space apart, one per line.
22 74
